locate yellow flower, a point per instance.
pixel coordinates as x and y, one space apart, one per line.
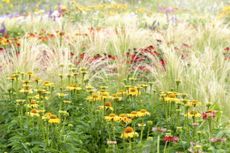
124 118
193 114
104 95
171 94
54 119
6 1
46 116
48 84
32 104
94 97
133 114
107 106
129 133
142 113
34 113
167 99
116 97
133 91
73 88
112 117
89 88
193 103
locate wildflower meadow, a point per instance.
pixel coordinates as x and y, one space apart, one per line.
114 76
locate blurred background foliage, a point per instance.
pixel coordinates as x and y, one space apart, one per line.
34 6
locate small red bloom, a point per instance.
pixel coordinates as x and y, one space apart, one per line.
171 139
209 114
227 49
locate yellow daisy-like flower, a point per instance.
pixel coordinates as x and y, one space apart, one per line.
107 106
171 94
32 104
73 88
6 1
142 113
124 118
94 97
112 117
133 114
46 116
104 95
133 91
192 114
54 120
116 97
129 133
168 99
48 84
34 113
193 103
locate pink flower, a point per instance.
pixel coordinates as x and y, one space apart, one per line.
214 140
158 129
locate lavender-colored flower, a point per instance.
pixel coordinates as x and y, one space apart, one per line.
166 10
3 30
159 130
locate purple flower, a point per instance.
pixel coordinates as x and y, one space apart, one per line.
3 30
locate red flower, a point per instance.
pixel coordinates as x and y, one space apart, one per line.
227 49
171 139
2 50
209 114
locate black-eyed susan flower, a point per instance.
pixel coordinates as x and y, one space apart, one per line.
129 133
142 113
112 117
34 113
104 95
107 106
32 104
133 91
53 119
168 99
193 103
193 114
124 118
46 116
116 97
133 114
48 84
